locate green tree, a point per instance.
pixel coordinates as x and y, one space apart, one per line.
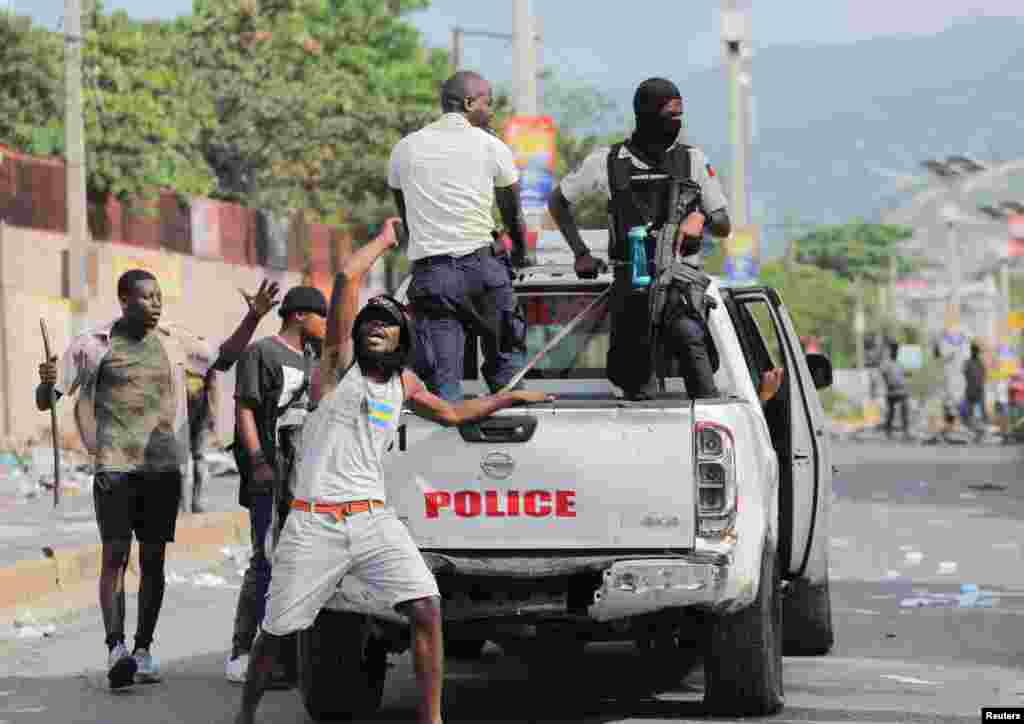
857 250
143 114
310 95
820 303
31 85
578 107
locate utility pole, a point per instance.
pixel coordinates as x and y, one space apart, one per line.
458 40
524 55
77 209
734 36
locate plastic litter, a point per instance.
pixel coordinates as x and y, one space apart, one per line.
930 600
221 463
209 580
947 567
909 680
27 627
895 584
913 558
972 597
175 579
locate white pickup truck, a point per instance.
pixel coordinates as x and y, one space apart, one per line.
691 527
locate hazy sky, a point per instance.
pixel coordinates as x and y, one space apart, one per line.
670 37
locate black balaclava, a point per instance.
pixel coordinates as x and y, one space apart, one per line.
654 133
389 309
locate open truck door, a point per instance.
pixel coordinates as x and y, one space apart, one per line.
796 418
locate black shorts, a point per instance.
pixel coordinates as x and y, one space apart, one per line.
143 503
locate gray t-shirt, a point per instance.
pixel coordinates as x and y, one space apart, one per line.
345 439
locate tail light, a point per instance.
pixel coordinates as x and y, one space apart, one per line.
716 478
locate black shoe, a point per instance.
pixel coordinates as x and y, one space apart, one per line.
122 667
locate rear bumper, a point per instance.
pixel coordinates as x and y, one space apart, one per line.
635 587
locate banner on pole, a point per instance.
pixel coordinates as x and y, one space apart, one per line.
533 141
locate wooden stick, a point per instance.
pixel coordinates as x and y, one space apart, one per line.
53 420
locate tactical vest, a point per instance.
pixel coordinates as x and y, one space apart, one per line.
640 196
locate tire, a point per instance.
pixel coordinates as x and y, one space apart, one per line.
466 649
341 667
807 611
743 660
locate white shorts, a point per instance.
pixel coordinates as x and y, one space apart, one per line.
316 551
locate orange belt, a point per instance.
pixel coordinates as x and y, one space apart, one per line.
338 510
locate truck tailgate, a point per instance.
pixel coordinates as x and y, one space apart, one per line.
549 478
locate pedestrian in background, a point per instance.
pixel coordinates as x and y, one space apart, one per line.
974 391
272 385
132 416
895 391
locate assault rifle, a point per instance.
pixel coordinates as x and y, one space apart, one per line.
684 198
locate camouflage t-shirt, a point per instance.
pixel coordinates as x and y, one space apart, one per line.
135 407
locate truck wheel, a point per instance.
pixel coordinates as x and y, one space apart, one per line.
743 660
341 667
807 611
468 649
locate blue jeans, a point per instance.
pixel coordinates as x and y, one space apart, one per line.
453 296
252 599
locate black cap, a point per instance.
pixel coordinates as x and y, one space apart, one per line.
304 299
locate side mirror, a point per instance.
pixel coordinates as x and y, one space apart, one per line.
821 370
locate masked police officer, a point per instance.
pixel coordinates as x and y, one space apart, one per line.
652 181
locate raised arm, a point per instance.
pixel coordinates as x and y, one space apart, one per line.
431 407
339 349
259 304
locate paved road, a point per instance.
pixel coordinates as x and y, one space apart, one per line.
890 663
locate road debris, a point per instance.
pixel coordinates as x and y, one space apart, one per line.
947 568
913 558
986 487
27 627
909 680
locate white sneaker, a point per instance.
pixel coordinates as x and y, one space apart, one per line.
121 667
147 669
236 668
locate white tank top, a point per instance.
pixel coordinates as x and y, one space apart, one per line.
345 439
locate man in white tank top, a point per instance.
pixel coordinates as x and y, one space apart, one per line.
340 523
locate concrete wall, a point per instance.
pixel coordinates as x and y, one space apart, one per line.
201 294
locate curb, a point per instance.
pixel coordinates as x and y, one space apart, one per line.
198 536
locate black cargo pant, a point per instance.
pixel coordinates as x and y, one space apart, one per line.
685 339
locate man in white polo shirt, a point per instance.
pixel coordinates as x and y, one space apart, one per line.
446 178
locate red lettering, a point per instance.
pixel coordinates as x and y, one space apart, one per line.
436 501
533 500
564 502
491 501
513 502
467 503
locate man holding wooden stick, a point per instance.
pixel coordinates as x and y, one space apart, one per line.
132 417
